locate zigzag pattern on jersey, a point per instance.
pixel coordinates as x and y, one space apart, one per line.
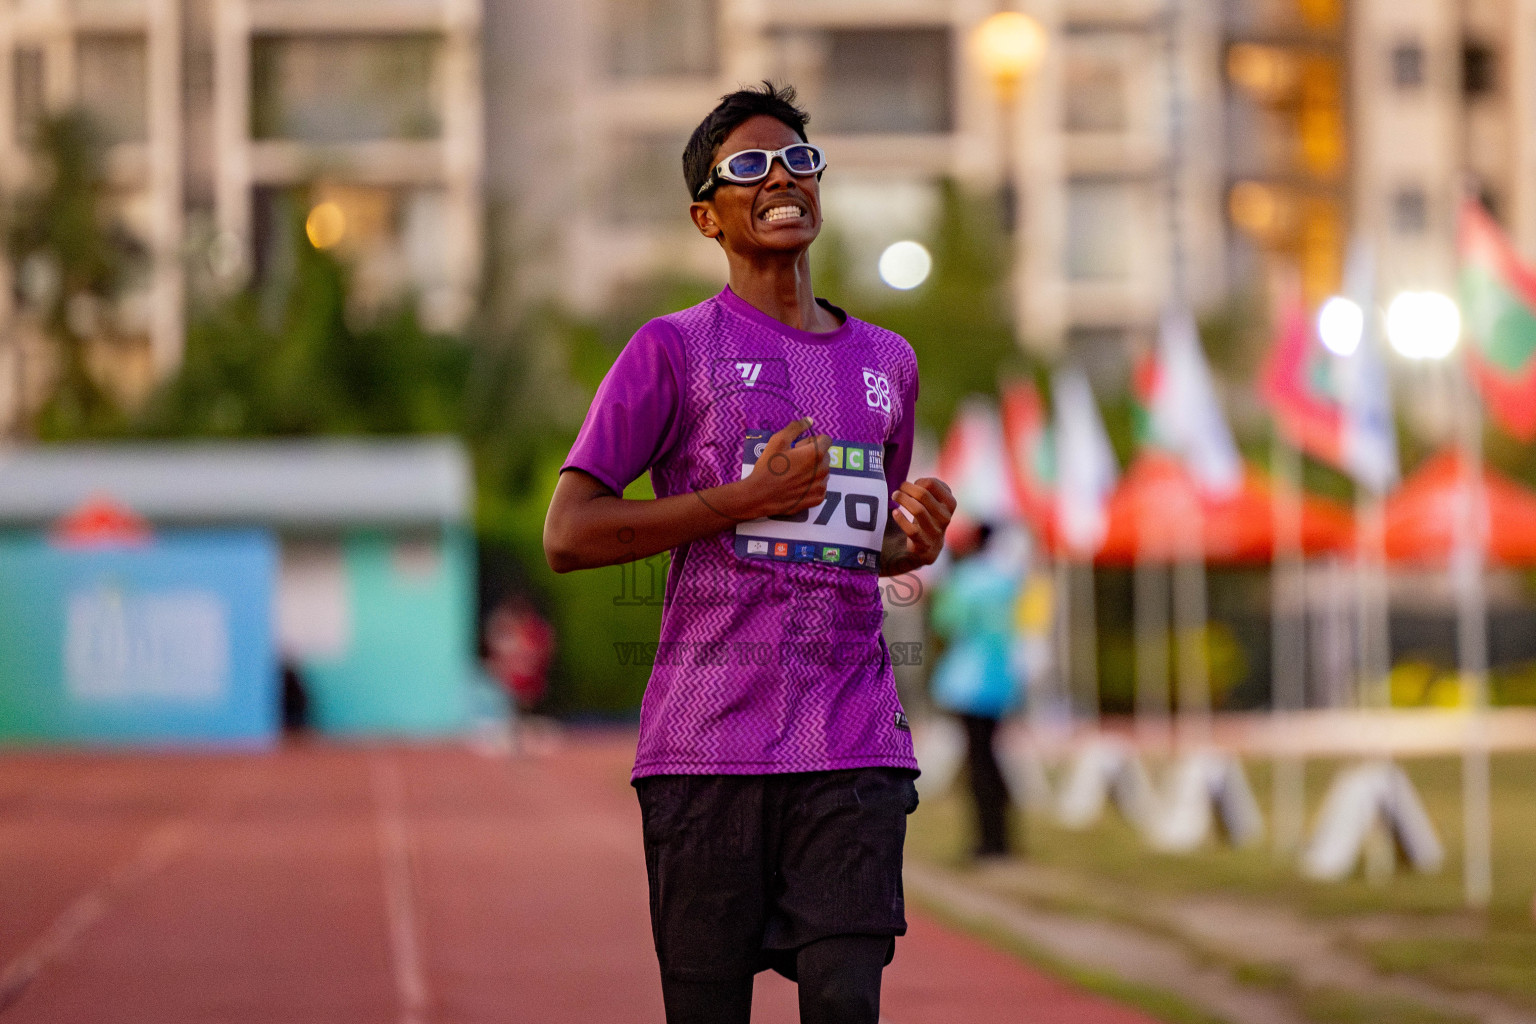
718 709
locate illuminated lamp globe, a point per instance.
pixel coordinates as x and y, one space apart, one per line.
905 265
326 225
1009 46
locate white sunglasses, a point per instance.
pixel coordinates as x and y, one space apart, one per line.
752 165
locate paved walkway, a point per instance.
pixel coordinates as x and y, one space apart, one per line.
329 884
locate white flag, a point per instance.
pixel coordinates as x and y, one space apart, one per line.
1085 464
1370 437
1185 412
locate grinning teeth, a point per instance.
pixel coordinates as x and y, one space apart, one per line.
781 213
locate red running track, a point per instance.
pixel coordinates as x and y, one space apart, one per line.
329 884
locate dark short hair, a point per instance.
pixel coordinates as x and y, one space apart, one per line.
733 109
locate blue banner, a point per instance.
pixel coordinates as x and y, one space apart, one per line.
165 642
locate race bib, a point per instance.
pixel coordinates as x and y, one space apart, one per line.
845 530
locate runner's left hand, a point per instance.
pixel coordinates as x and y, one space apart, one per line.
926 506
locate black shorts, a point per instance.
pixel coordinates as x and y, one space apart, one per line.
743 868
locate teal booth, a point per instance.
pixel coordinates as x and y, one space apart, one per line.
357 577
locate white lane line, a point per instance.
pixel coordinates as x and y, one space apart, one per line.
395 859
157 849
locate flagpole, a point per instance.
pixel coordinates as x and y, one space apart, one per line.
1287 644
1467 565
1153 698
1062 581
1373 627
1190 614
1087 637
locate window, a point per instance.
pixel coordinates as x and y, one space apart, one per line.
112 74
1408 65
1095 98
337 89
27 91
662 37
1478 70
1098 221
1104 354
886 80
1410 211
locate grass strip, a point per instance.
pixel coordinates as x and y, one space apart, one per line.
1160 1004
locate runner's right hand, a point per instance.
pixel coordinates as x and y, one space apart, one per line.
791 477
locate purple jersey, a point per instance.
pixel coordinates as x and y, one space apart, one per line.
771 657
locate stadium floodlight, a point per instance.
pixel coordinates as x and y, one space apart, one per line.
1423 325
1340 323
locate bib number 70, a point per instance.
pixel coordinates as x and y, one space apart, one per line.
860 511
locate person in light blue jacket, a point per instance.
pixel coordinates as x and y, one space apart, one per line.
975 678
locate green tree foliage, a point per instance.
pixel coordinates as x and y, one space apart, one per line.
958 321
287 359
73 262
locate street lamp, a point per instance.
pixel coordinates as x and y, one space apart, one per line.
1009 46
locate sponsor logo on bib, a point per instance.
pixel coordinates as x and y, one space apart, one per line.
845 530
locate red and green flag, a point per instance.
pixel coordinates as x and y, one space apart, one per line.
1031 452
1299 382
1498 306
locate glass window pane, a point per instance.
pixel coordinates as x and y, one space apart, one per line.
1479 75
1098 215
335 89
1104 354
1094 91
886 80
27 91
1408 65
1410 211
112 74
662 37
1280 16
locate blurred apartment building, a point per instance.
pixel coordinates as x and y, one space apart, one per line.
1374 117
214 110
1189 147
900 105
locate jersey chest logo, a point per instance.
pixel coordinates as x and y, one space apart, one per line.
877 390
745 373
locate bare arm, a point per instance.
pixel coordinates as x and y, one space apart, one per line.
589 526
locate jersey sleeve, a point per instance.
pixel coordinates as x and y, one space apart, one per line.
634 418
898 445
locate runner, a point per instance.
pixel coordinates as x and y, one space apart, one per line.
774 766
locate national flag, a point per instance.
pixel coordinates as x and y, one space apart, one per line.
1085 464
1498 306
1370 435
1182 413
1300 382
973 462
1031 452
